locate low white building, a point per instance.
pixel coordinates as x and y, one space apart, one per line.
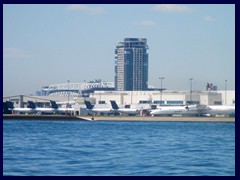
228 97
135 98
166 97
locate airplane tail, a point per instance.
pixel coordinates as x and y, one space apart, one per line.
6 108
88 104
114 105
9 105
31 105
54 104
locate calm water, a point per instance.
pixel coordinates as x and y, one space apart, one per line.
118 148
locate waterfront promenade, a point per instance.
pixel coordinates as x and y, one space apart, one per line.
118 118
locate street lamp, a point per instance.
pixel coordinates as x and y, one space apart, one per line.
131 96
161 78
68 94
225 92
191 90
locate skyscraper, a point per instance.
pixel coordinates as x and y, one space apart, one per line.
131 65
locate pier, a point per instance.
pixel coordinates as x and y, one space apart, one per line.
40 117
117 118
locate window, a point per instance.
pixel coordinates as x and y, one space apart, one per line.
101 102
158 102
175 102
144 102
192 102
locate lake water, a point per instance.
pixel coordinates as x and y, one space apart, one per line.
75 148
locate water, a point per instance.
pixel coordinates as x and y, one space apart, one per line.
74 148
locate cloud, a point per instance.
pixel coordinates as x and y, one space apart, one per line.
209 18
14 53
146 23
171 8
85 8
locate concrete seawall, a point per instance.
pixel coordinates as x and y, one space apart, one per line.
158 118
39 117
118 118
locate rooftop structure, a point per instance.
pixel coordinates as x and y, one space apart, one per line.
75 89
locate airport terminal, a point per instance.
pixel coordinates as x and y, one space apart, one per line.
136 99
130 87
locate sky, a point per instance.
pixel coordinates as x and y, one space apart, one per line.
49 44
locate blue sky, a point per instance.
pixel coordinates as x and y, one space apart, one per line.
48 44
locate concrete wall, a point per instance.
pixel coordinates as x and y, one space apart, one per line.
230 95
134 97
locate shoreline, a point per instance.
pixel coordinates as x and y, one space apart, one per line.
166 119
39 117
118 118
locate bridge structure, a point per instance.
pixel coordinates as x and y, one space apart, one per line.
76 89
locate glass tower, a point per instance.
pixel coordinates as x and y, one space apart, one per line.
131 65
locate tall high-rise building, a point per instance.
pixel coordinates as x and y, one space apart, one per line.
131 65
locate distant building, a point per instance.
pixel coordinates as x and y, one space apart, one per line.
131 65
211 87
75 89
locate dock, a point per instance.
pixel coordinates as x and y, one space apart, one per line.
165 118
42 117
117 118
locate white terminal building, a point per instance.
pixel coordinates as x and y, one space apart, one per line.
164 98
100 93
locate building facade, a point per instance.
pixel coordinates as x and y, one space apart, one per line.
131 65
174 98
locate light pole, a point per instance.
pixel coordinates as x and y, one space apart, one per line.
131 96
191 90
225 92
161 78
68 94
